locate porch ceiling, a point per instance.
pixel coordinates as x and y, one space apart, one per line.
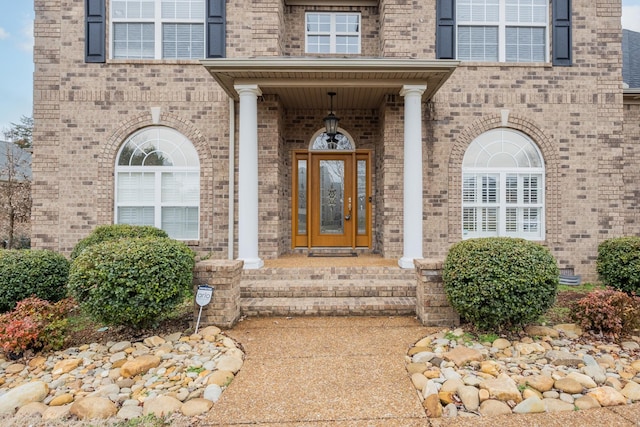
631 96
303 83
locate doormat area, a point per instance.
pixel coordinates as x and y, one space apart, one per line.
333 254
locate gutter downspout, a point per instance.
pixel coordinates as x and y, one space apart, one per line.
232 173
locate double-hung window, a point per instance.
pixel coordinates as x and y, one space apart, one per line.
158 29
503 187
158 182
332 32
502 30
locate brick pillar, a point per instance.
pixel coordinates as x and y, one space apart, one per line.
224 277
432 306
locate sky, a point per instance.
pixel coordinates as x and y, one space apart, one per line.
16 55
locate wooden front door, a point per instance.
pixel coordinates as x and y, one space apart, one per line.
331 199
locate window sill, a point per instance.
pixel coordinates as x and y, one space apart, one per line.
154 61
505 64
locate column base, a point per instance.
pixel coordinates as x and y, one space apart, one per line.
405 262
252 263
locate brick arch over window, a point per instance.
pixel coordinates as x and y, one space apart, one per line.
549 154
112 145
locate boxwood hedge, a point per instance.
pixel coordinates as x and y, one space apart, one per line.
103 233
618 263
132 281
24 273
498 283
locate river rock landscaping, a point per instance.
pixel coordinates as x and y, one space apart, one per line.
123 380
544 369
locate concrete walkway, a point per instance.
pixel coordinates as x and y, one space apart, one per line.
349 371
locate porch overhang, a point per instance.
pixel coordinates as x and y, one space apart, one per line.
303 83
631 96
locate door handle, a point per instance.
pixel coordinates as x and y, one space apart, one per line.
348 216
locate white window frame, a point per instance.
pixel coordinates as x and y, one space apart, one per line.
158 171
502 24
158 21
500 203
333 33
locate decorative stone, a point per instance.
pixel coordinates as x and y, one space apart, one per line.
541 383
631 391
221 378
90 408
568 385
490 367
139 365
433 406
596 373
118 347
228 363
17 397
423 357
416 368
490 408
557 405
450 411
470 397
452 385
585 380
531 405
483 395
608 396
56 413
530 392
419 381
31 409
212 392
541 331
501 344
161 406
636 365
586 402
503 389
563 358
66 365
14 368
196 407
63 399
154 341
569 329
129 412
462 355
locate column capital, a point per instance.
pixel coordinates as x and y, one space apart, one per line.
248 89
413 90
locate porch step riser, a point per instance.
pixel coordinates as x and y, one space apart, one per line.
293 289
328 306
327 275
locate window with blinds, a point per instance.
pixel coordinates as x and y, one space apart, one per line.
158 182
502 30
158 29
503 187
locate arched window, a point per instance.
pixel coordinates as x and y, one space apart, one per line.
503 187
339 142
158 182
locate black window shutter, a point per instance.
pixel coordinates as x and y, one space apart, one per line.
562 32
446 29
216 32
95 31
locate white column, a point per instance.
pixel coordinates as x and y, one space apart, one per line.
248 177
412 188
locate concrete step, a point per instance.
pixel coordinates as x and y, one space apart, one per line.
329 274
353 306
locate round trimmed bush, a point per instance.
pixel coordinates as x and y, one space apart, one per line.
500 282
104 233
24 273
618 263
132 281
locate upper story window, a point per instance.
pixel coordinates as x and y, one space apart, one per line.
158 182
502 30
335 32
503 187
158 29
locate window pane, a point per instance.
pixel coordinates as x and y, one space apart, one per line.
489 189
136 188
302 197
469 189
530 220
181 187
318 44
469 222
511 220
183 9
489 220
511 192
133 40
129 9
183 41
362 197
136 215
478 43
525 44
180 222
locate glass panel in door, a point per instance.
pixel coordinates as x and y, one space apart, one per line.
331 196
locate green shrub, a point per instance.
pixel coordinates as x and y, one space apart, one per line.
497 283
104 233
618 263
24 273
132 281
608 311
34 324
